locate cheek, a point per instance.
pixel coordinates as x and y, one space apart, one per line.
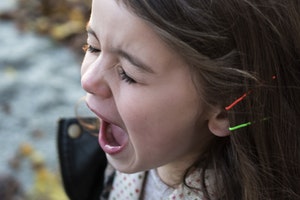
155 116
160 134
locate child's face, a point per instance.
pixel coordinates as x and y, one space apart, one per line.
142 91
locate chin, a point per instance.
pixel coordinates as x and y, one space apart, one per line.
126 167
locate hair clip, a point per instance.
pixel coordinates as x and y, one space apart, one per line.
244 125
231 106
237 101
239 126
242 97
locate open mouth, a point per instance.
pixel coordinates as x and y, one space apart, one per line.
112 138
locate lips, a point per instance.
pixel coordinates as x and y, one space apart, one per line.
112 138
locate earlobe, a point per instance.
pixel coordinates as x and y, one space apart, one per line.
218 124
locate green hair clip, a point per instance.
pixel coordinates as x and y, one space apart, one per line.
239 126
244 125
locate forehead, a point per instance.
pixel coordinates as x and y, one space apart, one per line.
117 27
110 19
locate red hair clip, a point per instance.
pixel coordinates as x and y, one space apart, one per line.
237 101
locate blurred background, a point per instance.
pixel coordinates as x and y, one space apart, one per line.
40 57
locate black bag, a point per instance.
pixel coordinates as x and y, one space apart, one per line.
82 161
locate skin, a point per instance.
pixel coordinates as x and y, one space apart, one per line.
155 104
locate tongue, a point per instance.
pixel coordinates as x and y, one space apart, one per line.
116 136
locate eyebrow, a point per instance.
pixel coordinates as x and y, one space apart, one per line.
133 60
91 31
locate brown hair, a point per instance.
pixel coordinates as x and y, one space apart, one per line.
233 47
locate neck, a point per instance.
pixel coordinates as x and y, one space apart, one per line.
172 174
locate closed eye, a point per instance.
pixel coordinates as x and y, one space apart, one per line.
125 77
90 48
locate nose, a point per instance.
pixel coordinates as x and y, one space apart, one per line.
93 81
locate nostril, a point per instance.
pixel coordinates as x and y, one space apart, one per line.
103 90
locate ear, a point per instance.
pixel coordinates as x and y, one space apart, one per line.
218 123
